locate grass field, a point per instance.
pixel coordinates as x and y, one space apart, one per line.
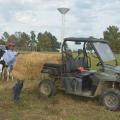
61 107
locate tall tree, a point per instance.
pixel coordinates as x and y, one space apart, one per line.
12 38
2 42
112 34
55 43
22 39
25 38
5 36
32 41
46 41
39 37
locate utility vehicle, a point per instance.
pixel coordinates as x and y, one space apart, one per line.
89 68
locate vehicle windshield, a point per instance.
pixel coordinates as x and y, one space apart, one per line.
104 51
74 47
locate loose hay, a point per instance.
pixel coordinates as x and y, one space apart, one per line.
28 66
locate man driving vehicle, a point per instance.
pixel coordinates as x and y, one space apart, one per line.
74 64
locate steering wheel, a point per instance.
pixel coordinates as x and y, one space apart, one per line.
79 53
94 55
99 64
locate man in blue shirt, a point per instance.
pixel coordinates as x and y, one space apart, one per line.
10 55
10 58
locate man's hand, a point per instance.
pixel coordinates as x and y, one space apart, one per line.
82 69
16 53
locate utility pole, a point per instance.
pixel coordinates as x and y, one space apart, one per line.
63 11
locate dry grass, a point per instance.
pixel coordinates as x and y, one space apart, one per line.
60 107
28 66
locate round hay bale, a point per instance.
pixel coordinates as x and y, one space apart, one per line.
29 66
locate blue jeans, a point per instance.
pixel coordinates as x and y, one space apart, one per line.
17 90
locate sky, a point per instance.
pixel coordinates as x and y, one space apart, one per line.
85 18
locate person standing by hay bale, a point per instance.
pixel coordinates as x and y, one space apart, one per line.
10 58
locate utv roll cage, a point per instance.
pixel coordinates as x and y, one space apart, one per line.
90 40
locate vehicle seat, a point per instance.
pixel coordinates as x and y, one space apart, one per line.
70 64
82 62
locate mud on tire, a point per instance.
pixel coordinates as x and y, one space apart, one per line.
47 88
111 99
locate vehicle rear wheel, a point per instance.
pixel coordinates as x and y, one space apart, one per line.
47 88
111 99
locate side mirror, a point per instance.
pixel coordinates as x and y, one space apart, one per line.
78 43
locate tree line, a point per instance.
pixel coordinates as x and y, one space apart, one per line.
112 35
40 42
48 42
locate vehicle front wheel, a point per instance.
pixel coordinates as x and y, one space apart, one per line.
111 99
47 88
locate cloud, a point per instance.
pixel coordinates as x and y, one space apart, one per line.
85 18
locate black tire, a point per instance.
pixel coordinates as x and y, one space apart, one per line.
50 86
111 99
